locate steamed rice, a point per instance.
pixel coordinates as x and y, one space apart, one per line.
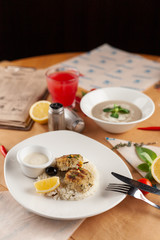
65 193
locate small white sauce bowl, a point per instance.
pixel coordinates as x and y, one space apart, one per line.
141 100
33 171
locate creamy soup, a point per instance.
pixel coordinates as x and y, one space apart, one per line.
133 115
35 158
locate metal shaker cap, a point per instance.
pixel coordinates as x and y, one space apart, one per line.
78 125
56 107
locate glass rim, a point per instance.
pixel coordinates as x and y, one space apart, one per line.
73 71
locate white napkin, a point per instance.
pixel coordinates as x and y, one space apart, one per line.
16 223
129 153
107 66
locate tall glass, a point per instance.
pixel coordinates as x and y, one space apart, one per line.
62 85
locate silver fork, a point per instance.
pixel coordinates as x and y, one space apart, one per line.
132 191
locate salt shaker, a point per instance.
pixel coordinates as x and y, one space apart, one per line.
73 121
56 119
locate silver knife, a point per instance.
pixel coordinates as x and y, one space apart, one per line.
136 184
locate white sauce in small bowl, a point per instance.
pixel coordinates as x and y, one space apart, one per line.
36 159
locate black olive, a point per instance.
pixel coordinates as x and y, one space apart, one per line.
51 171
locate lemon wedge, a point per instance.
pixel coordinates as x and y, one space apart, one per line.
47 185
155 169
39 111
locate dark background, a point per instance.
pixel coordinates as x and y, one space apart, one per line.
35 27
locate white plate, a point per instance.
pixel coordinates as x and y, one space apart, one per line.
60 143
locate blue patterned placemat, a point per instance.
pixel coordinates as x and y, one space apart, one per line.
107 66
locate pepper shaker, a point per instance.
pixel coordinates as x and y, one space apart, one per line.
56 119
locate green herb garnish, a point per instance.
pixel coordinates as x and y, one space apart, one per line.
83 93
147 156
122 145
116 110
129 144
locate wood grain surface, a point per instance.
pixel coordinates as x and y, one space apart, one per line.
131 219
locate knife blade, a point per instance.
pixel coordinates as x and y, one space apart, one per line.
136 184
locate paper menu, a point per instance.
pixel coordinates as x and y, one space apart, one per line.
20 88
107 66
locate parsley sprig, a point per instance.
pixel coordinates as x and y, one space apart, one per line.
116 110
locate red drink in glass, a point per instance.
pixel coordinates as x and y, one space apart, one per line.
62 86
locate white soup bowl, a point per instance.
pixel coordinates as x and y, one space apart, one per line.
141 100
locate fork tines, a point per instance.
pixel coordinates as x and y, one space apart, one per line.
122 188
